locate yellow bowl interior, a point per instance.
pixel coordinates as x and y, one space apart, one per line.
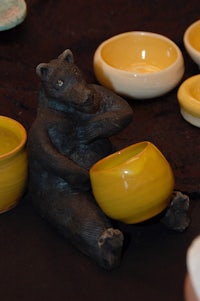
13 162
189 95
12 136
140 53
193 36
194 91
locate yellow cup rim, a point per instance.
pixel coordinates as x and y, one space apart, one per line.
95 168
23 140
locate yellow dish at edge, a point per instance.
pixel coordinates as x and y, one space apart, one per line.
13 162
189 100
133 184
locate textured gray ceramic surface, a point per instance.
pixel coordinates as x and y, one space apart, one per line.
12 13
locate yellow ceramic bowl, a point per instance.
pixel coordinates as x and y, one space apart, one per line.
139 64
192 41
133 184
189 100
13 162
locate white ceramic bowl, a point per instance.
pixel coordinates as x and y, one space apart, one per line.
192 41
139 64
12 13
189 100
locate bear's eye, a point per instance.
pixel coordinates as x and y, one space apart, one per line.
60 83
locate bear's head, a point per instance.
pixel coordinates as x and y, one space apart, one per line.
63 82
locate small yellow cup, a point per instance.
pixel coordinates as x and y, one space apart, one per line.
13 162
189 99
133 184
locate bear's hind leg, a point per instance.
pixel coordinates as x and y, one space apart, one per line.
82 222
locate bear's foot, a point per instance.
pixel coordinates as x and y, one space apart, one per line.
110 246
176 216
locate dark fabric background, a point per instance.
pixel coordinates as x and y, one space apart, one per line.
36 264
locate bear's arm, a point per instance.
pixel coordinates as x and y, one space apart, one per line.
113 115
42 150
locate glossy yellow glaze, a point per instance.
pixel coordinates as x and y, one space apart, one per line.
13 162
189 99
134 184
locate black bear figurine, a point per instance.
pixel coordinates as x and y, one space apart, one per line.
70 133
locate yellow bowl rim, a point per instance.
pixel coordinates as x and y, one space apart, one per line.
186 35
147 33
23 140
190 104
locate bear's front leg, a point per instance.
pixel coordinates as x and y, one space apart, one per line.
112 115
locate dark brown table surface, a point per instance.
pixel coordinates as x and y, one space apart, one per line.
35 262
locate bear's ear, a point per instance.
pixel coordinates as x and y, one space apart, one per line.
67 56
42 70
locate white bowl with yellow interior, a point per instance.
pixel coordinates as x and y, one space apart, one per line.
139 64
189 100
